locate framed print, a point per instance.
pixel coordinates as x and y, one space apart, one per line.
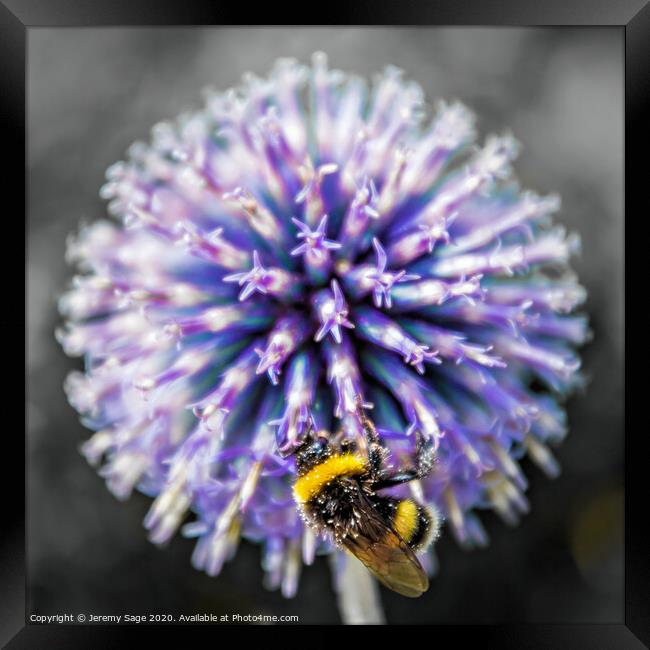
326 324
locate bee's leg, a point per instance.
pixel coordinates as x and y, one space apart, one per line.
341 441
376 451
424 463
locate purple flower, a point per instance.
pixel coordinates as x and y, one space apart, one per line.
298 244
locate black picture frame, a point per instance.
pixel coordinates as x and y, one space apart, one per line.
631 16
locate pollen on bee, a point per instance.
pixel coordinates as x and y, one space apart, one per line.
310 484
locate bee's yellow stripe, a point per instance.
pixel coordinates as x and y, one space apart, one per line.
311 483
406 519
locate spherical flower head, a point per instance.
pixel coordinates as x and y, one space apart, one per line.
298 247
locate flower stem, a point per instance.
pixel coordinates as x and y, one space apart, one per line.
357 592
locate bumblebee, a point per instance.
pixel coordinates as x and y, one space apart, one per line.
336 492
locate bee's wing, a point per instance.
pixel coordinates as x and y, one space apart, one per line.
386 554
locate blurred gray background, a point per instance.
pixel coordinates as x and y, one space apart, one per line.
91 92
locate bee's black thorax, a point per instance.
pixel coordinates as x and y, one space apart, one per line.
335 508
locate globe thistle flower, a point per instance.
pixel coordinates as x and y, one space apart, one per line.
300 244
